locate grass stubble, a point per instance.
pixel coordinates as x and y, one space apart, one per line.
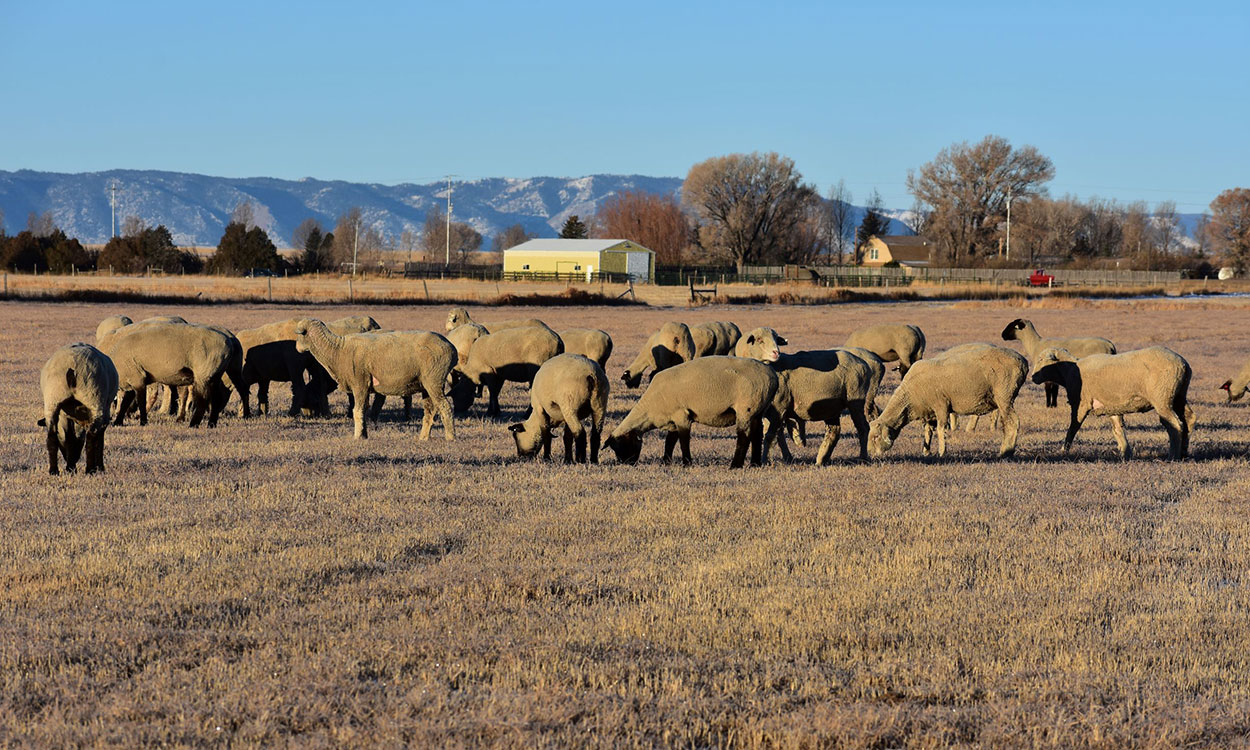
274 581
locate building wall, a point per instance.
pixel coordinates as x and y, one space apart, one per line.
881 250
539 261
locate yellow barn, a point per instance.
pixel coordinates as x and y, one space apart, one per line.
580 258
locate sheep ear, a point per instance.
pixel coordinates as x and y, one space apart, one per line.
42 422
751 339
514 428
782 342
1227 385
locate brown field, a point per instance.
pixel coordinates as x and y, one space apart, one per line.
276 582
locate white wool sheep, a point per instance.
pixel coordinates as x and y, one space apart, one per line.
459 316
667 347
715 337
567 389
891 342
1127 383
393 363
716 391
974 381
511 355
591 343
79 384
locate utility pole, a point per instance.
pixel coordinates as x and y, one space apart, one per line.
447 260
355 243
113 204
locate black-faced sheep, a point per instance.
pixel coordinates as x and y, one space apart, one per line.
891 342
668 347
79 384
511 355
1078 346
1128 383
567 389
715 391
975 381
458 316
393 363
1236 386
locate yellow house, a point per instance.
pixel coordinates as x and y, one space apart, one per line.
580 257
906 250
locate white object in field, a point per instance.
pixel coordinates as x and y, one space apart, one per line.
1226 273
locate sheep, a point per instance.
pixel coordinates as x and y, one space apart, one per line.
567 389
458 316
814 385
269 354
1126 383
667 347
588 342
114 322
1237 386
1080 346
79 383
974 381
716 337
513 354
717 391
890 342
110 324
393 363
174 354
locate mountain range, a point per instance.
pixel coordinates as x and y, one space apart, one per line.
196 208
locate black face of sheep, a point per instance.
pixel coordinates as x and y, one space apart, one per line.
1228 389
1051 369
462 393
527 443
1009 333
881 438
631 380
627 447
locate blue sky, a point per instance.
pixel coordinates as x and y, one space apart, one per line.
1131 101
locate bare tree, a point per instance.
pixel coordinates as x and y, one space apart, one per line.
511 237
653 221
1165 226
1230 227
299 238
748 205
347 235
243 214
968 185
1 222
918 217
133 226
464 238
41 225
839 221
409 240
1135 237
1202 235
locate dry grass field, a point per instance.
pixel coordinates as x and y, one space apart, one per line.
274 581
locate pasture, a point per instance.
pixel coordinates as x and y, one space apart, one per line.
274 581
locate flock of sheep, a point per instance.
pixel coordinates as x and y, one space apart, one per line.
708 373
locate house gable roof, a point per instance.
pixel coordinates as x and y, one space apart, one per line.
573 246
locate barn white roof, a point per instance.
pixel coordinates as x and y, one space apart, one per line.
571 246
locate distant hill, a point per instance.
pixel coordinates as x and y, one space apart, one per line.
195 208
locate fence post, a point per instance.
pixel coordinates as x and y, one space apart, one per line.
270 288
6 283
351 294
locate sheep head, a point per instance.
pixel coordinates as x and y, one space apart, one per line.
1228 388
527 441
462 393
763 344
881 438
1012 329
301 334
627 446
456 317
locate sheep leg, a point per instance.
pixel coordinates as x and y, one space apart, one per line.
1177 432
1117 429
740 450
580 442
832 431
1190 419
128 400
427 417
1009 422
568 445
596 435
798 432
99 449
546 442
378 401
408 408
670 442
494 386
93 439
437 401
942 418
219 396
1078 418
683 439
861 431
182 398
927 442
141 397
299 394
54 446
360 424
235 376
757 441
199 403
1052 395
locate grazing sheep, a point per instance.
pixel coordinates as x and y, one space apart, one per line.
567 389
890 342
458 316
667 347
1117 384
394 363
110 324
174 354
269 355
1236 388
715 338
79 384
974 381
511 355
815 385
715 391
1080 346
588 342
462 337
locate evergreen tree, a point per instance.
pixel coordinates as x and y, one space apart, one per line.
241 249
574 229
311 259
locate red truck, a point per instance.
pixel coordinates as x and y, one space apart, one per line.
1041 278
